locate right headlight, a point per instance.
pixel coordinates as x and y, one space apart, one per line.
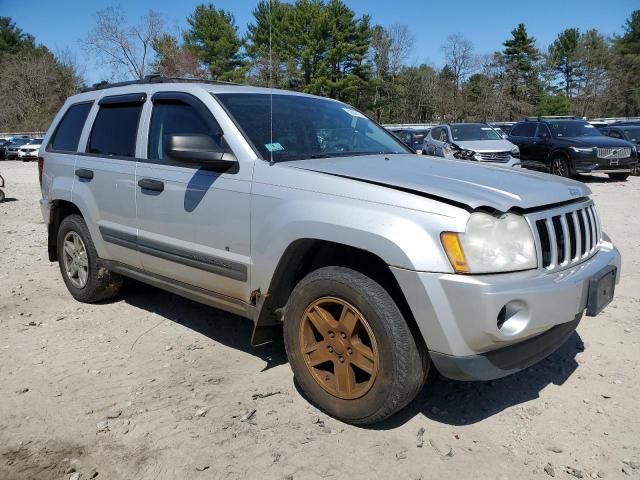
491 244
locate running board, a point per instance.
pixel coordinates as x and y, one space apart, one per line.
197 294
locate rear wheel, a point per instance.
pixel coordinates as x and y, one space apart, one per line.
350 348
619 176
85 277
560 166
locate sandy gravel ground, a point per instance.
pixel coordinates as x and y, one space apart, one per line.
153 386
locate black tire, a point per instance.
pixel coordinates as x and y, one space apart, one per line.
402 366
101 284
619 176
561 166
1 196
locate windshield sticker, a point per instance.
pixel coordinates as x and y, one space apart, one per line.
486 128
274 147
353 113
589 126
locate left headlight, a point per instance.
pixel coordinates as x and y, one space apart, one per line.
515 152
491 244
582 150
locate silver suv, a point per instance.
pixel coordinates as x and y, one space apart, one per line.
483 143
303 215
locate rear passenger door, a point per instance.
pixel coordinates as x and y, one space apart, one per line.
62 147
523 135
104 187
194 221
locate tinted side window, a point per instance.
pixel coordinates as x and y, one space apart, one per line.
615 134
67 135
115 129
178 118
527 129
436 133
543 130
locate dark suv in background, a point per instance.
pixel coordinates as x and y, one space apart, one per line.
566 147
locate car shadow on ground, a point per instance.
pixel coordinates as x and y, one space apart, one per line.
596 179
464 403
222 327
446 401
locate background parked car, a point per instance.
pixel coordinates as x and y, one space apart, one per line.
504 127
486 142
568 146
411 137
4 143
630 133
29 151
11 150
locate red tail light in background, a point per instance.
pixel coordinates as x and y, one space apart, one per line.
40 167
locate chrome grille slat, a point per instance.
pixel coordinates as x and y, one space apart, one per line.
566 235
587 233
553 242
576 226
567 240
594 233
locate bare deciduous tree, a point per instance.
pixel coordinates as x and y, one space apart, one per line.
458 53
125 48
400 46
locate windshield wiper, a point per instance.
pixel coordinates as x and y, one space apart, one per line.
347 154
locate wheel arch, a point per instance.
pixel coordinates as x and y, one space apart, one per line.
303 256
58 211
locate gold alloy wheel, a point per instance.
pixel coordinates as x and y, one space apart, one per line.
339 348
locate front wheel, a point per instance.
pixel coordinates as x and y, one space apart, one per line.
85 277
350 349
560 166
618 176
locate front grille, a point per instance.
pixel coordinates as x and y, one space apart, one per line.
493 156
566 236
614 152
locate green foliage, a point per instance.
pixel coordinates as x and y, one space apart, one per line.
316 47
213 37
12 39
553 105
564 54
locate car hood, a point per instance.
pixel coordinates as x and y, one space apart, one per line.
603 141
487 145
457 182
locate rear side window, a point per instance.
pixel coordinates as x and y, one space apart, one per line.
527 129
115 130
67 135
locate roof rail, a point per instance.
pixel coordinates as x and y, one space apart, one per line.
155 78
553 117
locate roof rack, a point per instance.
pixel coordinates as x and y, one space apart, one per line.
553 117
155 78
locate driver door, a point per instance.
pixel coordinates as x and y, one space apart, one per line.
193 221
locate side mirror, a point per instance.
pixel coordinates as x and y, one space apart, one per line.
197 148
543 136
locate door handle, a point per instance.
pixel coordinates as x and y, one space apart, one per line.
150 184
84 173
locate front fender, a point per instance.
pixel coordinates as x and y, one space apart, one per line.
401 237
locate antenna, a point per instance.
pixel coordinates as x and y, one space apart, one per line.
270 91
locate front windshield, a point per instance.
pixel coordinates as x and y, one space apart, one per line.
306 127
470 132
419 135
633 134
37 141
573 129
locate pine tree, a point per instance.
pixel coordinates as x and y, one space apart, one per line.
213 37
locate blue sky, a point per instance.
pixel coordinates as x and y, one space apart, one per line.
59 24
